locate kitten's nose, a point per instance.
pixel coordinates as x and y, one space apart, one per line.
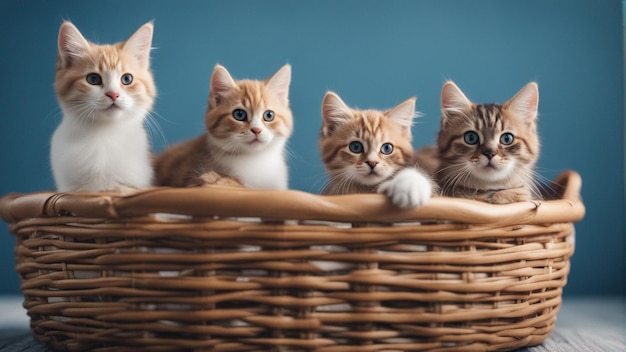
113 95
489 153
372 164
256 130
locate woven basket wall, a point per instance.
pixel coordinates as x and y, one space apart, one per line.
231 269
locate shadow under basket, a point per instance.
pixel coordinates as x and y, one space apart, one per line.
232 269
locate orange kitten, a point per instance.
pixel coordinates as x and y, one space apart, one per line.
488 151
247 123
106 93
366 151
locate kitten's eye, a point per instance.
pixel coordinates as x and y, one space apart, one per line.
94 79
127 79
240 115
268 116
471 137
507 138
387 148
356 147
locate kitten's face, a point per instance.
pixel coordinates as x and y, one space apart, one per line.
248 115
104 82
364 147
482 145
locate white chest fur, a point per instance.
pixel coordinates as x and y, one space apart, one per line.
266 169
97 157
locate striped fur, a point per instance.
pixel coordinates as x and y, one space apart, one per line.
371 169
249 152
499 167
350 172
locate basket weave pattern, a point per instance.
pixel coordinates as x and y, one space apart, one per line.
229 269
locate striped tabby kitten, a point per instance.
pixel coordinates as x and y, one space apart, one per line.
488 151
367 151
106 93
247 123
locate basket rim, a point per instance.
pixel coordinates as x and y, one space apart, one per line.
224 201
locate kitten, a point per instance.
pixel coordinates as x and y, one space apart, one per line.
367 151
248 123
105 93
488 151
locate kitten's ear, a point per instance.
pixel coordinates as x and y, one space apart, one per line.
221 82
140 43
525 103
71 44
334 112
453 101
403 115
279 83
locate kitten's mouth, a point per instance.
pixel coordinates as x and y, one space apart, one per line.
112 107
371 179
372 176
490 166
490 173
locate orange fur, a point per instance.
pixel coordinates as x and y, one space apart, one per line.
349 171
228 148
106 93
70 72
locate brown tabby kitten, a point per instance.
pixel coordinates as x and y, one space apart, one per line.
248 123
488 151
368 151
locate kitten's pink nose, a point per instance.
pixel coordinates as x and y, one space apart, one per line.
256 130
113 95
372 164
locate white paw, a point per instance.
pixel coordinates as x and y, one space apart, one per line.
407 189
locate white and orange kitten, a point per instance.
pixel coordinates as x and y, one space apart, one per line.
368 151
105 92
248 123
488 151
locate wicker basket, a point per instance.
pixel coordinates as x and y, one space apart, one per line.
230 269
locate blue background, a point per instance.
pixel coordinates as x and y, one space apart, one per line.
375 54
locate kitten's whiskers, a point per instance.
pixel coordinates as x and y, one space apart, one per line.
344 182
457 174
152 125
85 112
230 148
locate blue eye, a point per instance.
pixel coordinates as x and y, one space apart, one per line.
356 147
240 115
471 138
127 79
507 138
268 116
94 79
387 148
